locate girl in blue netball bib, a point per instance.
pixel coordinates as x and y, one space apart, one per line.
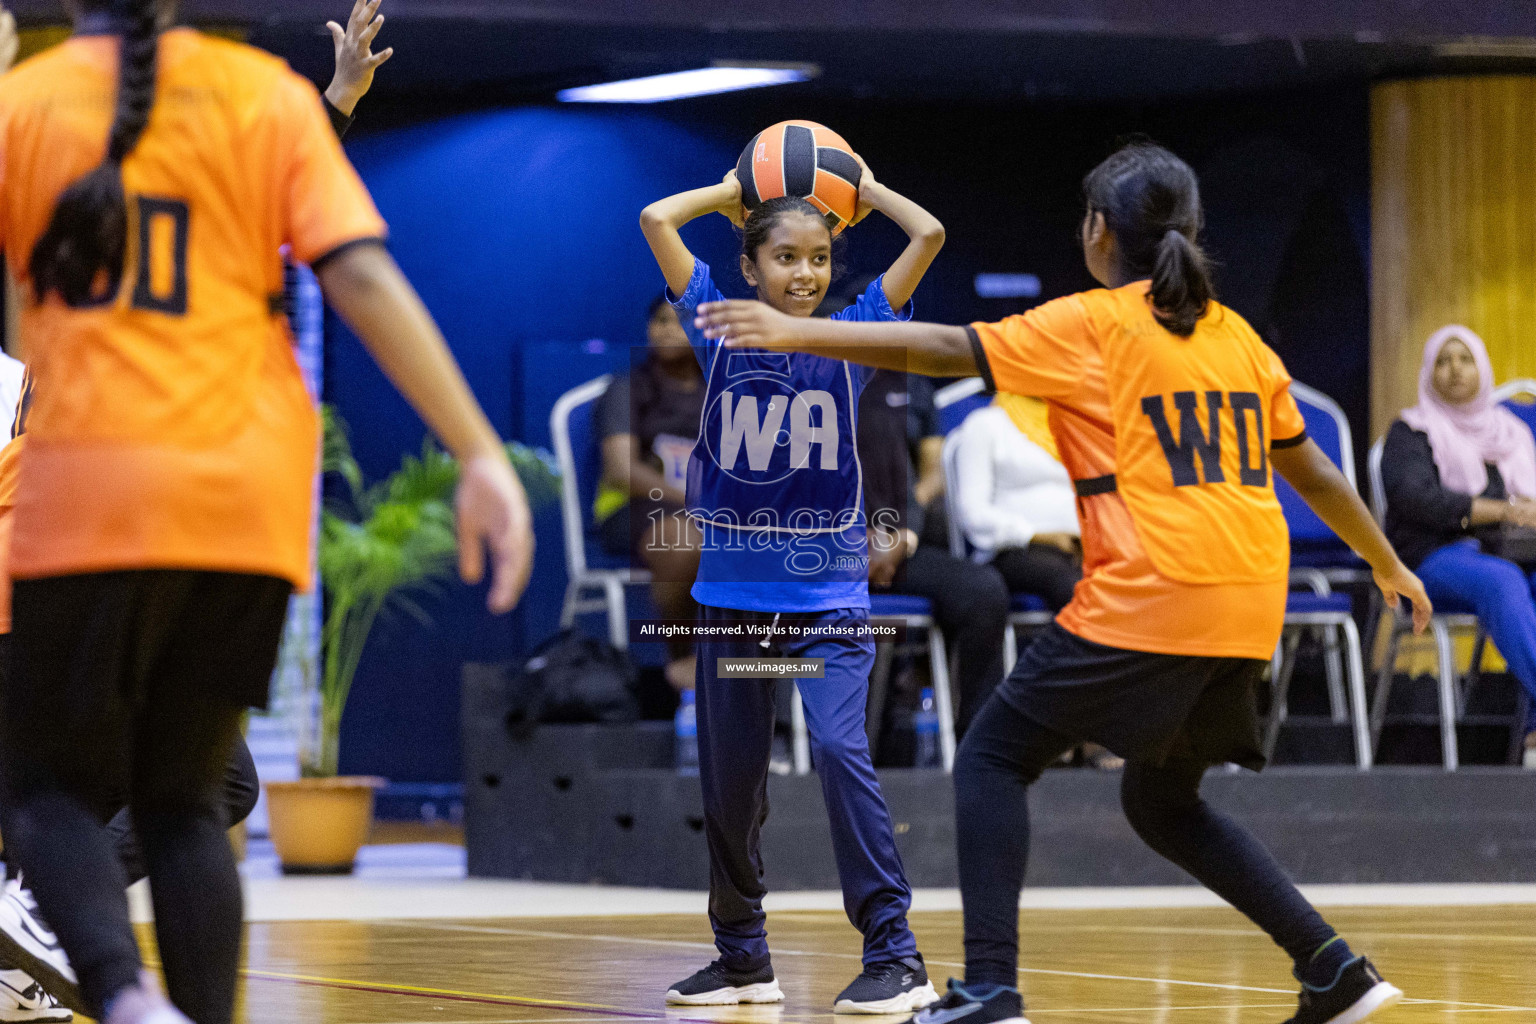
775 486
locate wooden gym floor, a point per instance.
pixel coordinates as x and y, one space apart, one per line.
1147 966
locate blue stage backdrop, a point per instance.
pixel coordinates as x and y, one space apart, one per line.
520 229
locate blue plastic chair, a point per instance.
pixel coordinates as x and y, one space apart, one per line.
1446 618
954 402
916 613
1318 560
911 613
596 579
1313 544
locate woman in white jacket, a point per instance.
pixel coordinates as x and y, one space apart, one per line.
1015 501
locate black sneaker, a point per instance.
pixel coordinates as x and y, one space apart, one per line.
719 985
1357 992
891 986
1001 1006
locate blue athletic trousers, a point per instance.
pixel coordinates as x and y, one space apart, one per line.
735 738
1503 596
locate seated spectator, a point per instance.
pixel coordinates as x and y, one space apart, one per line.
1015 501
648 421
899 451
1457 469
1018 511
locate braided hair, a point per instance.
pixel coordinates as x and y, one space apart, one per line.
80 255
1150 199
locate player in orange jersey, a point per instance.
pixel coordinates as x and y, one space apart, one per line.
163 507
22 998
1169 412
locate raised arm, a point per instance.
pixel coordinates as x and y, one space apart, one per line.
1324 488
661 220
355 60
933 350
925 235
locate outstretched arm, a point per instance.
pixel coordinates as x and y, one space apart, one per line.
661 220
933 350
1324 488
924 233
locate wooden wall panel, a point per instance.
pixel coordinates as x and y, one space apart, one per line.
1453 225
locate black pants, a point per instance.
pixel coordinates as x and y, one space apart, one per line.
242 788
134 683
970 604
1091 692
1040 569
240 792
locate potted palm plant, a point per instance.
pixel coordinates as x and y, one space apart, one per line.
379 548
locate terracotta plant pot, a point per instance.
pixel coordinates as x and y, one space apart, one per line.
317 825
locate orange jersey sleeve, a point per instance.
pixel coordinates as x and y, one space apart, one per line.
1286 424
1040 352
326 203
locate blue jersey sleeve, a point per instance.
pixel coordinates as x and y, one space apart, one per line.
701 289
873 306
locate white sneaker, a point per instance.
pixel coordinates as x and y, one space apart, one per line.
27 942
143 1003
23 999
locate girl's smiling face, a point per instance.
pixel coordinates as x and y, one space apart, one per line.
793 267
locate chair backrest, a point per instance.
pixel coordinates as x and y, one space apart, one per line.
580 457
954 402
1373 471
1328 427
949 461
1519 397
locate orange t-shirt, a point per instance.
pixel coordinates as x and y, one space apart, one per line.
1173 563
171 427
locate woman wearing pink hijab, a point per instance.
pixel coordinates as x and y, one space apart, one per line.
1455 468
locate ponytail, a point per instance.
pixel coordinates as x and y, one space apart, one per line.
1150 200
1181 284
81 253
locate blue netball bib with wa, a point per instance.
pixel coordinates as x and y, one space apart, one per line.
774 481
775 451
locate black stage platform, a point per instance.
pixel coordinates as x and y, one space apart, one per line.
574 804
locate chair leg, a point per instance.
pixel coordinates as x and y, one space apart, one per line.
1280 687
618 613
1445 659
573 591
1475 669
1355 671
1384 679
800 736
1333 666
938 661
1517 728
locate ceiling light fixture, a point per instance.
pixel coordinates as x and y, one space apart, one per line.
679 85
